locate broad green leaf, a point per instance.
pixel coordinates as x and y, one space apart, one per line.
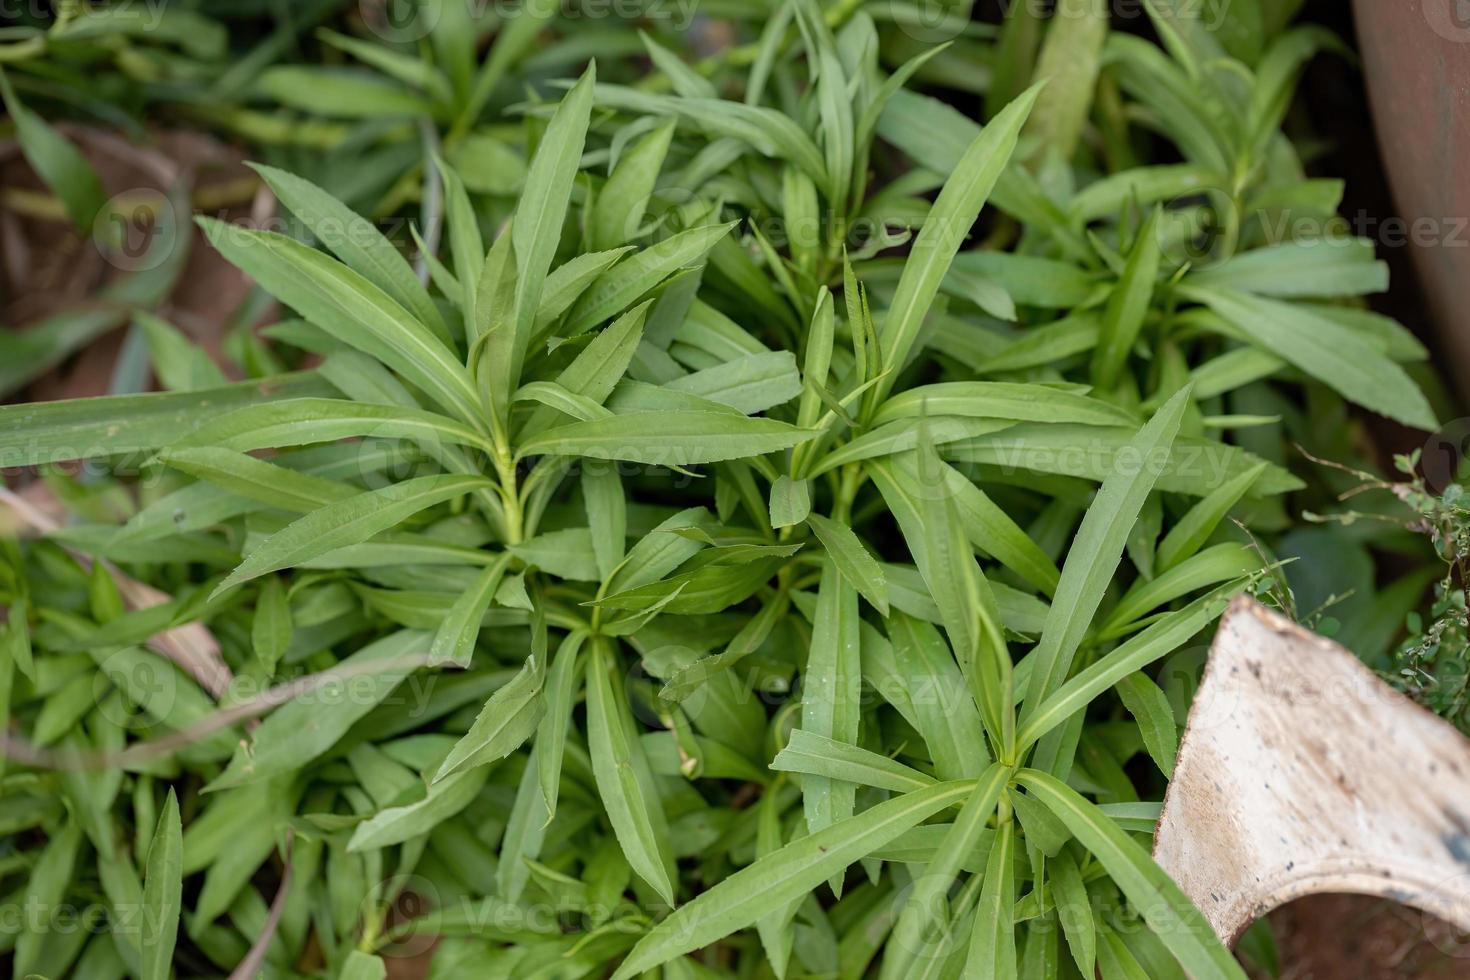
791 502
270 628
396 824
304 421
940 705
923 921
255 479
339 92
1220 563
631 279
178 364
1001 400
1327 266
551 733
567 554
822 757
545 197
767 131
1194 466
754 383
993 941
1069 61
607 516
363 966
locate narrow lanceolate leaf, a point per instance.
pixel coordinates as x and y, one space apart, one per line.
607 516
924 921
791 502
993 941
629 280
1172 917
1150 707
304 421
396 824
56 161
945 229
739 900
1069 60
348 522
1128 305
1341 359
299 731
551 733
255 479
623 778
1002 400
350 308
355 240
1160 639
32 433
507 719
831 692
817 755
667 438
1097 549
1187 536
270 630
162 893
543 204
853 560
618 213
1074 909
768 131
363 966
454 641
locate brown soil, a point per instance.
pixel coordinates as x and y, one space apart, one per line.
1352 937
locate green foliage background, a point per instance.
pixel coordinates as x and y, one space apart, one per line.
760 513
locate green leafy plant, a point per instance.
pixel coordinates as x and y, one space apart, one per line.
721 560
